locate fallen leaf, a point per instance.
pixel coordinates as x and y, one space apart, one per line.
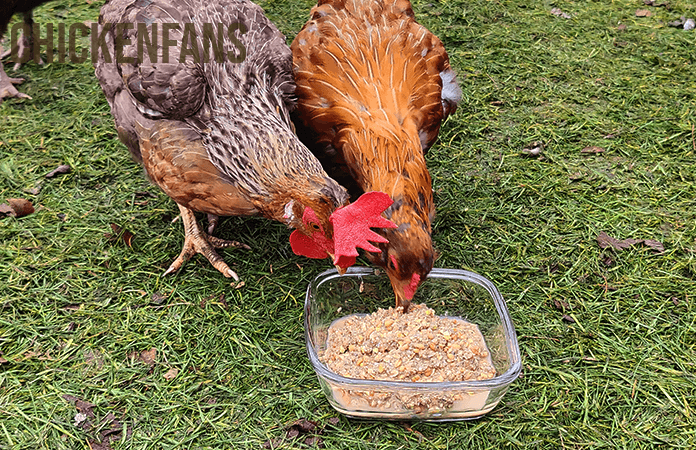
643 13
171 374
6 210
59 170
592 149
126 236
604 241
561 305
33 191
3 360
567 318
16 207
621 27
146 356
22 207
304 425
655 245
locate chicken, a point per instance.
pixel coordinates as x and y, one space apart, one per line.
373 87
212 127
8 8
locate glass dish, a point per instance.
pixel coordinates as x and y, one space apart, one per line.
453 293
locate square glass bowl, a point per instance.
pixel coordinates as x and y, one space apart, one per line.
453 293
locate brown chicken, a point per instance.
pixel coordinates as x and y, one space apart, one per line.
373 87
211 124
7 9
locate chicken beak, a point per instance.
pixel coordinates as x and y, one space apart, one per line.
401 299
339 269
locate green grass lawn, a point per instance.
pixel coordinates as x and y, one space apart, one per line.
608 337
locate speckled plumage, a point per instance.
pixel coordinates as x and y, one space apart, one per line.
215 136
373 87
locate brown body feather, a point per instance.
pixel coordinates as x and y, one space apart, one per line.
373 87
216 136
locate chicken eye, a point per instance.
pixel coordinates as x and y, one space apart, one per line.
314 226
391 264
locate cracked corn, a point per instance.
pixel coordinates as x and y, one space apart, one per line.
418 347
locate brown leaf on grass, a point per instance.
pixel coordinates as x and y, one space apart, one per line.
82 406
3 360
16 207
592 149
299 428
567 318
6 210
100 433
604 241
657 246
643 13
171 374
59 170
146 356
561 305
334 421
22 207
125 235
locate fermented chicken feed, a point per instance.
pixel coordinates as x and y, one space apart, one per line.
415 347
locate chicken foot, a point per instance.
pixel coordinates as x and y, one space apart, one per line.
7 89
197 241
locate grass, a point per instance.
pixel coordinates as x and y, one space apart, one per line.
78 310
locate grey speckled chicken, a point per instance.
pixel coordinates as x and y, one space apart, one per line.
211 124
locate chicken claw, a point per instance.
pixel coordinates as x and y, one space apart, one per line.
197 241
7 90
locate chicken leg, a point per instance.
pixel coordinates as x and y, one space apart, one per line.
7 89
197 241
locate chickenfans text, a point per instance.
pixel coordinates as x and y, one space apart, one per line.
134 43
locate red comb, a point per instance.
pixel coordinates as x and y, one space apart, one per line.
352 225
